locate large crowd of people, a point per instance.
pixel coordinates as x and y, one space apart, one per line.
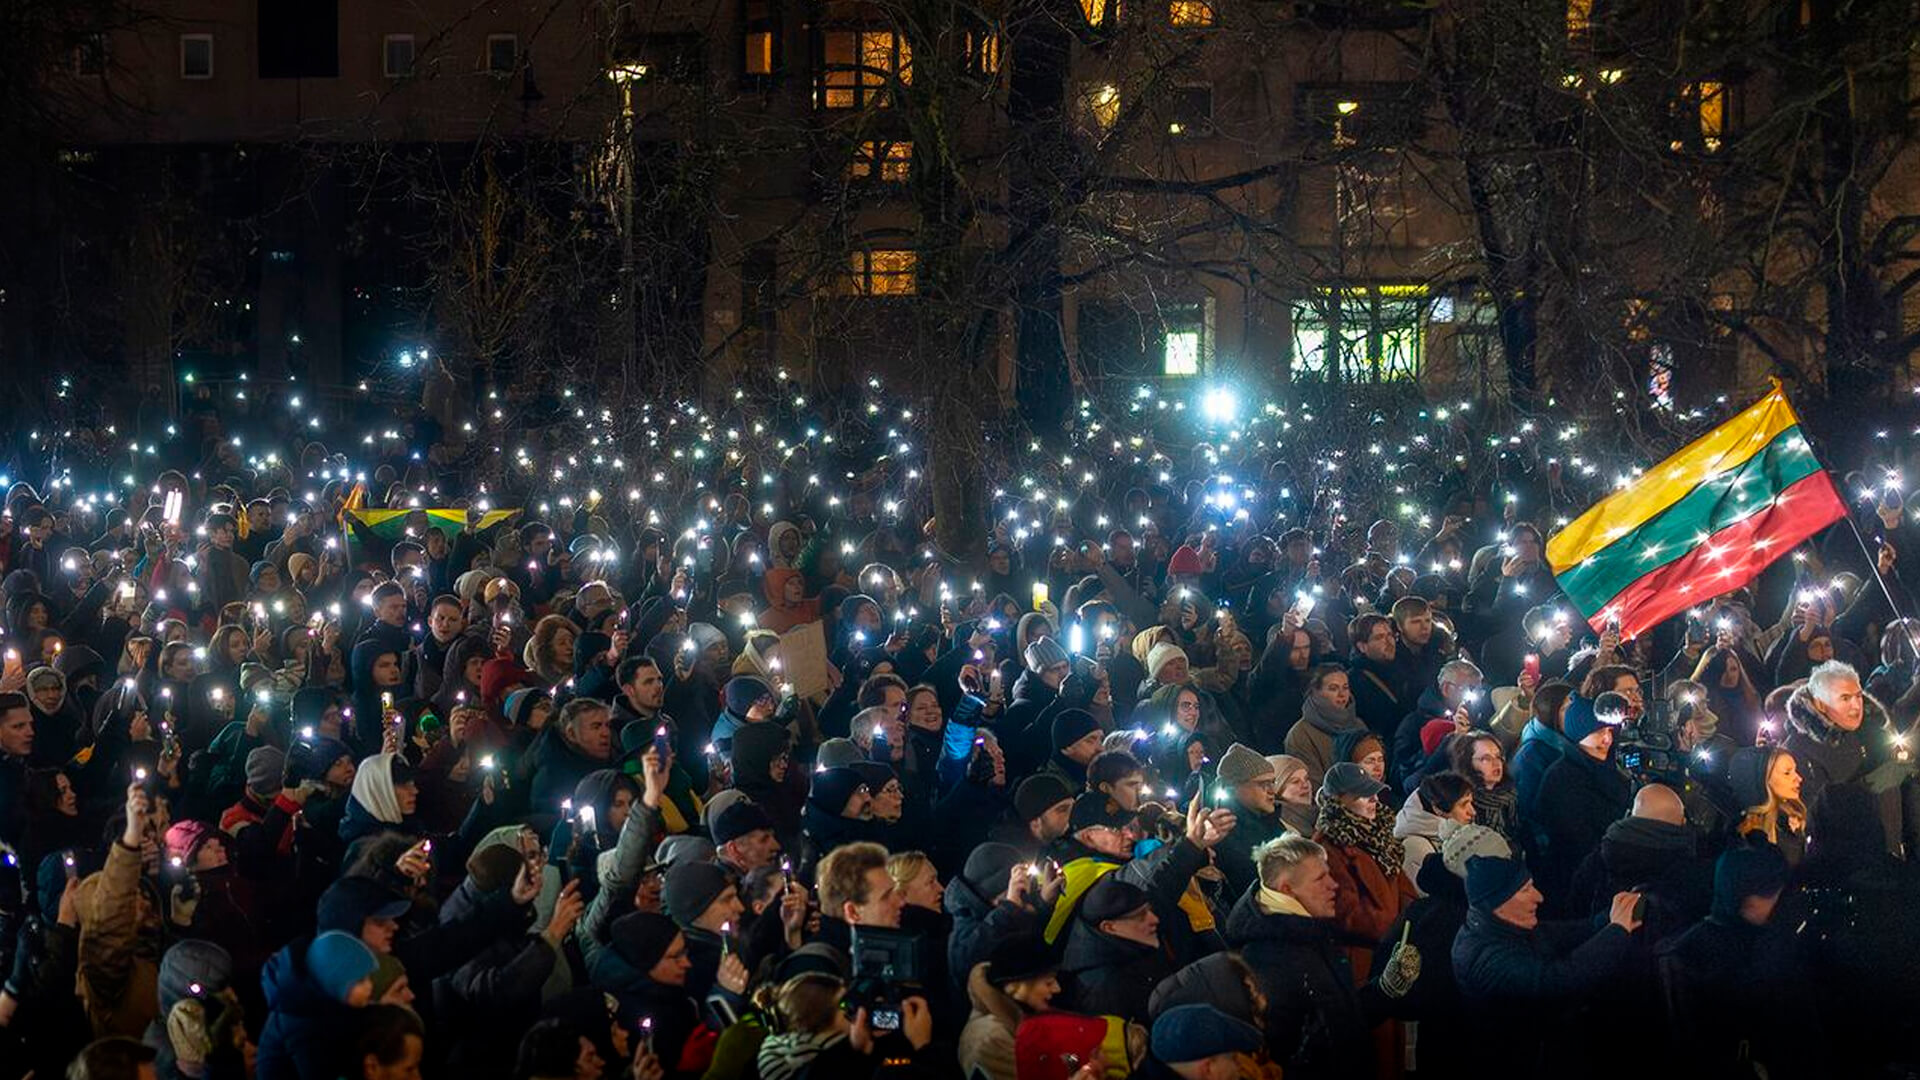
742 776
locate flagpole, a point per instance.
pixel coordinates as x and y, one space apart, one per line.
1839 485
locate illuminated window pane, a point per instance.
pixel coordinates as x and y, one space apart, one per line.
857 65
1103 105
1579 16
881 272
889 162
1183 353
1713 114
759 53
1361 334
983 52
1189 13
1095 11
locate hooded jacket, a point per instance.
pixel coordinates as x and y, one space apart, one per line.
119 961
1579 799
308 1035
1317 1023
986 1044
1829 757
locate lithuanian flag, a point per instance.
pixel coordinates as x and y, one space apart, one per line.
1701 523
392 524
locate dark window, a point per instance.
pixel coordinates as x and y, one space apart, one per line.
396 56
676 58
196 56
1190 112
299 39
1367 116
90 55
503 54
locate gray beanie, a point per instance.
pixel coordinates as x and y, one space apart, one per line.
837 753
1044 653
265 767
1243 765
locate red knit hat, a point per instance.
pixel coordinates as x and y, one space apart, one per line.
1185 561
1054 1045
499 675
1432 732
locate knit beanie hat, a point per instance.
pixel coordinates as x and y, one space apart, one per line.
722 799
1759 870
1747 776
1044 653
184 839
738 820
312 760
1578 722
1242 764
517 706
838 753
1465 843
1160 656
1492 882
265 766
988 867
742 692
1038 794
338 961
690 889
1284 766
387 970
641 938
1186 560
193 967
1072 725
832 789
1432 732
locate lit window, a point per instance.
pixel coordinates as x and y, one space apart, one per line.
1712 97
1096 11
196 56
1103 105
760 52
888 162
1189 13
881 272
1579 16
503 54
396 56
1189 338
859 64
1360 334
983 52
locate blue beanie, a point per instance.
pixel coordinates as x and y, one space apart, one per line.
742 691
338 961
1492 881
1580 720
1187 1033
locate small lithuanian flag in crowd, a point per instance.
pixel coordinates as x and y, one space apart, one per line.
1705 521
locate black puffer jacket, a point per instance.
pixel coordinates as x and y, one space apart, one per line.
1317 1023
1109 976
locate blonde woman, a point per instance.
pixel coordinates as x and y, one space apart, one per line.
1766 784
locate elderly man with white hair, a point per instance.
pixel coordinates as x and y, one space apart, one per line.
1839 735
1453 699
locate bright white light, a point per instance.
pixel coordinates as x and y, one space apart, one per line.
1220 405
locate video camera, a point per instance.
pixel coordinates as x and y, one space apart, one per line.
887 969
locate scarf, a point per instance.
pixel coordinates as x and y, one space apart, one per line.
1333 722
1373 836
1498 808
1277 903
785 1055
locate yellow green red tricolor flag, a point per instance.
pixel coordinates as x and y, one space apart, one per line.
392 524
1704 521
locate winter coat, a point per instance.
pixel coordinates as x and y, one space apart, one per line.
1419 832
1724 985
557 769
1371 897
1377 695
1031 697
119 967
986 1043
1660 860
1544 974
1319 1017
1108 976
979 923
481 1003
1234 855
1828 756
308 1035
1540 747
1447 1040
1579 799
